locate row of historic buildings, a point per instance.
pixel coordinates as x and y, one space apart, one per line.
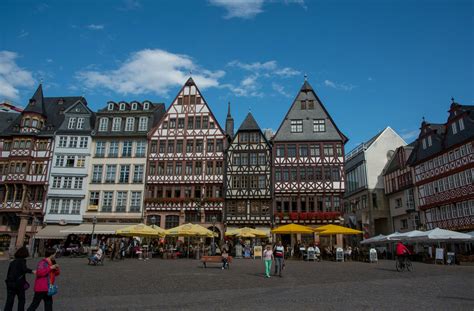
62 164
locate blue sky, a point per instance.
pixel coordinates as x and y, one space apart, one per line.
372 63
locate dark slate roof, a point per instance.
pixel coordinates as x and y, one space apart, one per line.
36 103
249 124
467 113
332 132
7 118
437 132
394 163
53 112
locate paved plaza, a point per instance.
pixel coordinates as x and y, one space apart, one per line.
185 285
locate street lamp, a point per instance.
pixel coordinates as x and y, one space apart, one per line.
213 248
94 222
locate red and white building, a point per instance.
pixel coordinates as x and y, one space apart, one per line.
185 165
443 161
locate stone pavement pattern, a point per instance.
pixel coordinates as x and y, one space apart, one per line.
185 285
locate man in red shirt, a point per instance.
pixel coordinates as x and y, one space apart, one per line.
402 252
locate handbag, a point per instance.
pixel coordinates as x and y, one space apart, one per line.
52 288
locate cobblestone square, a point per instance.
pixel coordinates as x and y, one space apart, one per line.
185 285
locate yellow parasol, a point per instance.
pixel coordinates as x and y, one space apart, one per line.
188 230
247 232
335 229
293 229
141 230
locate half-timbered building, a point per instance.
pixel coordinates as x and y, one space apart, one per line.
308 163
26 150
186 164
248 189
443 159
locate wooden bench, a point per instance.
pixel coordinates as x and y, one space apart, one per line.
215 259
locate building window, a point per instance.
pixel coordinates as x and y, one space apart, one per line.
291 149
303 150
67 184
80 123
171 221
180 123
130 124
134 106
143 124
122 106
339 150
430 142
328 150
100 149
138 173
303 105
103 124
454 127
121 201
319 125
83 142
78 182
65 206
116 124
423 141
62 142
59 161
146 105
94 198
172 123
73 142
189 146
127 149
72 123
124 173
110 173
461 124
199 145
70 161
76 207
113 149
179 146
110 106
297 126
107 199
135 202
54 206
398 203
56 182
190 123
140 149
97 174
81 161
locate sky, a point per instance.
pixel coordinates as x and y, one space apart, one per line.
372 63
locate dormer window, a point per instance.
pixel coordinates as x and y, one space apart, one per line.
103 125
430 142
122 106
454 127
303 105
72 123
26 122
134 106
146 105
80 123
319 125
110 106
34 123
423 141
116 124
461 124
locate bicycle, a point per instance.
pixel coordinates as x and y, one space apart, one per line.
404 263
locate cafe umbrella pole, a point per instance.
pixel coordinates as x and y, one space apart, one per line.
94 222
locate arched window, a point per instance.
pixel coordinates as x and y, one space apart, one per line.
34 123
134 106
146 105
122 106
110 106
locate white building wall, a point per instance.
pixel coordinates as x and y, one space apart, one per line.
377 156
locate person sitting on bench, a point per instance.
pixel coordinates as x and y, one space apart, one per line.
97 256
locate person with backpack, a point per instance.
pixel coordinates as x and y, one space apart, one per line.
279 254
16 281
46 273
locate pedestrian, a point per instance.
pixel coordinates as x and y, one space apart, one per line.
46 273
267 258
279 254
225 259
16 281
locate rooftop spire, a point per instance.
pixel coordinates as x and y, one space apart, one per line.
228 110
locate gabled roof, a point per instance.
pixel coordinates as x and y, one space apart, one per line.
249 124
394 163
307 93
36 103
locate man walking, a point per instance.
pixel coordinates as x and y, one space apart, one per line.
279 254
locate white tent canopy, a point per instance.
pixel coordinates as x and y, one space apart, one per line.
374 239
440 235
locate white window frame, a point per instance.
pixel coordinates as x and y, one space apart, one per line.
116 124
143 124
73 142
430 142
461 124
122 107
319 125
129 124
454 128
83 142
103 124
76 207
80 123
54 209
110 106
146 106
134 106
62 143
296 126
71 123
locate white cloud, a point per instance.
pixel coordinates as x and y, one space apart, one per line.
339 86
150 71
12 77
287 72
409 135
130 5
265 68
49 60
245 9
280 89
369 78
23 34
95 27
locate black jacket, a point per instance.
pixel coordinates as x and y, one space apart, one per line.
16 273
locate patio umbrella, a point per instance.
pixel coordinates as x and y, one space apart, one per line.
293 229
189 230
246 232
335 229
375 239
441 235
141 230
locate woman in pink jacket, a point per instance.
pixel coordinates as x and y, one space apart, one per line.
46 273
